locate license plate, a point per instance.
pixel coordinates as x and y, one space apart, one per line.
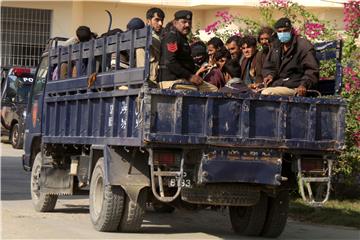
186 181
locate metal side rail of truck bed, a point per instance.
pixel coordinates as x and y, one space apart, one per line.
158 117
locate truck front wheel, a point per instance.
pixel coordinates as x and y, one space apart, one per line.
249 221
106 202
277 215
42 202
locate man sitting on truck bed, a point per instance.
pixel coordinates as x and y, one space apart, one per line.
291 66
232 76
177 68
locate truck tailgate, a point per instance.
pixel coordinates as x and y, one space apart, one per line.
293 123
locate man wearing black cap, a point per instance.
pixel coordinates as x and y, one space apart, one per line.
177 68
291 67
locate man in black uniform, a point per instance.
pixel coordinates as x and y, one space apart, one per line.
177 68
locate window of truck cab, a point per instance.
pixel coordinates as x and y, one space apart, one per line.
40 80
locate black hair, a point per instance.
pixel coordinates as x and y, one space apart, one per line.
222 53
151 13
249 40
216 42
233 68
168 27
198 49
235 38
198 43
267 30
83 33
135 23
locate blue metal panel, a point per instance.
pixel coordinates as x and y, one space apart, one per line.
264 119
289 123
193 116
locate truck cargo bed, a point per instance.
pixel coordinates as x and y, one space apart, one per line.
193 118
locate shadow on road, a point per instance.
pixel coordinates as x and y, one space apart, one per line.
15 182
73 209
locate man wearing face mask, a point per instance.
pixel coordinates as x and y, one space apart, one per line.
177 68
291 67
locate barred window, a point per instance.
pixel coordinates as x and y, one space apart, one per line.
24 34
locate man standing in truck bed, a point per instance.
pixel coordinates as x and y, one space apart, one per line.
177 68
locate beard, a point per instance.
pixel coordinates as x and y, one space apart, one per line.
265 49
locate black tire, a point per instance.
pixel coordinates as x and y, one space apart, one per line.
163 208
133 213
41 202
249 221
106 202
15 136
277 215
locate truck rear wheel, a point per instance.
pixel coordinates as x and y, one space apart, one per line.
133 213
106 202
42 202
249 221
277 215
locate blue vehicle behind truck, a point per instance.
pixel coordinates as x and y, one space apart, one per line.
127 144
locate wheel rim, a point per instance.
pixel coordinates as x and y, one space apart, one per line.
15 135
98 195
35 181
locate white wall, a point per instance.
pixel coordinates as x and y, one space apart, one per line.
67 15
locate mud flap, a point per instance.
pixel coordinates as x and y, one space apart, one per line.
56 181
127 169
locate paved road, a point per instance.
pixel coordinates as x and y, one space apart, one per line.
71 218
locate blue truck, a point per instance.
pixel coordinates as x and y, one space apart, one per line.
127 143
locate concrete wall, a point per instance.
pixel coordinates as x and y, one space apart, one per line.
67 15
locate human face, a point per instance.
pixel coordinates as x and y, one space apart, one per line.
220 63
211 50
156 23
264 39
183 26
234 49
247 51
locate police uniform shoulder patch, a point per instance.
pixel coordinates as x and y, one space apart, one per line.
172 47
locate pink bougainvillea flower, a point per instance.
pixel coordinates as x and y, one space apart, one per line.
314 30
225 16
358 118
356 137
281 3
352 16
265 3
212 27
347 87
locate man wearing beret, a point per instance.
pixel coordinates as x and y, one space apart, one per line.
291 67
177 68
